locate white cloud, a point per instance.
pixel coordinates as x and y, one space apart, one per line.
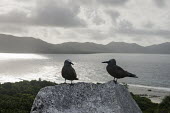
160 3
113 14
113 2
14 17
100 21
57 13
49 13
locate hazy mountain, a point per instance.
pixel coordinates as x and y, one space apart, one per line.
13 44
87 47
163 48
122 47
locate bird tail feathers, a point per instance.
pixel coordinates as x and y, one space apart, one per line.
132 75
76 79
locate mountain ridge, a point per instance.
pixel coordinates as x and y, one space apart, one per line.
14 44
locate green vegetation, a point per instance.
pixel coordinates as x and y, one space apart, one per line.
147 106
18 98
164 106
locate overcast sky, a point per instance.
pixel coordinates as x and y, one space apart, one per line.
144 22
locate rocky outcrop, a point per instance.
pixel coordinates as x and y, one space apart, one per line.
85 98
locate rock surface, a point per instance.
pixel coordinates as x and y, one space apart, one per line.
85 98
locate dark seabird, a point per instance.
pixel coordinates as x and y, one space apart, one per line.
68 71
116 71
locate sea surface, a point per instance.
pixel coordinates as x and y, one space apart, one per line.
153 70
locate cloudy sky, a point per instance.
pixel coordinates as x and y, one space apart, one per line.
144 22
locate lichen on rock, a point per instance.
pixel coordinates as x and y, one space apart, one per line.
85 98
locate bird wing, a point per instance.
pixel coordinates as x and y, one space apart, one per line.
73 72
124 73
118 68
69 72
120 71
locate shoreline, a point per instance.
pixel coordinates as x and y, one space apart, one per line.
155 94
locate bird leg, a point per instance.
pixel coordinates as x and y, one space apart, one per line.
116 81
71 83
65 81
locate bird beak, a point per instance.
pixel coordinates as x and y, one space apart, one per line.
71 63
105 62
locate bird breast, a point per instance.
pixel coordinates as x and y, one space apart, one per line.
68 72
113 71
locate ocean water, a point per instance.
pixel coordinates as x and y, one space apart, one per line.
152 69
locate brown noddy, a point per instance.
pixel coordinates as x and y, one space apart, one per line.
68 71
116 71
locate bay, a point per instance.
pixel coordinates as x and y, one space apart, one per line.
152 69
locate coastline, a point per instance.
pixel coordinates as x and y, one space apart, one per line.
155 94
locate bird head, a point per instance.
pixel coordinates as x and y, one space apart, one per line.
68 62
110 62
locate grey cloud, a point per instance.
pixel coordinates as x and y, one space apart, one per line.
148 24
46 13
102 2
55 13
113 2
93 34
146 32
98 35
8 28
24 0
160 3
125 24
84 2
127 28
97 18
98 21
14 16
113 14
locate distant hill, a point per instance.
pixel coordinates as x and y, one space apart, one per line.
122 47
13 44
163 48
